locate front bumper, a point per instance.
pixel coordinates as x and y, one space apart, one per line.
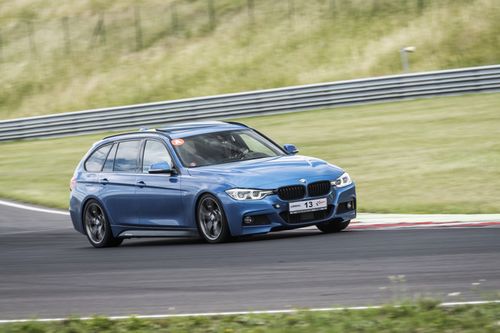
271 213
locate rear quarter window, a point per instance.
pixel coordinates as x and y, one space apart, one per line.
108 165
96 160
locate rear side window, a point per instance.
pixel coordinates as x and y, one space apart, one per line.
154 152
96 160
108 165
127 154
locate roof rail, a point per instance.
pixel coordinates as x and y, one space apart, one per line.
152 131
235 123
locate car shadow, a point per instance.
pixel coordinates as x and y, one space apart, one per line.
273 236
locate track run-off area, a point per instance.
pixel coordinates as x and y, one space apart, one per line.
50 271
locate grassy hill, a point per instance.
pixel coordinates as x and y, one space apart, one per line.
62 56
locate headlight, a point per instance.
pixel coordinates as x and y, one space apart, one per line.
342 181
248 194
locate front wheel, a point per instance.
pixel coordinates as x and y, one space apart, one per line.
97 227
212 223
333 226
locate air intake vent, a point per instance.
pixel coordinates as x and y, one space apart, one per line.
319 188
293 192
306 217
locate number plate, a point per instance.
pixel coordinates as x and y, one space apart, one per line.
307 206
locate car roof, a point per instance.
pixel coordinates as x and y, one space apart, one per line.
180 130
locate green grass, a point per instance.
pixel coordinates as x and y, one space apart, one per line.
282 43
439 155
423 317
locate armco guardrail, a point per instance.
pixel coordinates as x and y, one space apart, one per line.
388 88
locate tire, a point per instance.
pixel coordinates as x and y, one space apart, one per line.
211 220
97 227
332 226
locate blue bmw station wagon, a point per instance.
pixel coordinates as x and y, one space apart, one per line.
212 179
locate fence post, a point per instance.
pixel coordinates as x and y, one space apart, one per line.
291 12
211 14
99 31
138 28
1 47
31 37
66 34
174 18
251 14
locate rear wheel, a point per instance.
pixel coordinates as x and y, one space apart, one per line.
212 223
332 226
97 227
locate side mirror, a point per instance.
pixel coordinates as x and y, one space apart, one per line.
161 167
290 149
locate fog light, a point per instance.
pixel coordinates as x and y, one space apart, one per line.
349 205
277 206
247 220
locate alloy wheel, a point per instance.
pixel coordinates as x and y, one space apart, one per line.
95 223
210 218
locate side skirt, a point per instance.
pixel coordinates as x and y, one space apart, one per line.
157 233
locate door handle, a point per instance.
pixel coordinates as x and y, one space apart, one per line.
141 183
104 181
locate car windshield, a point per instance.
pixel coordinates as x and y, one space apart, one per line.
223 147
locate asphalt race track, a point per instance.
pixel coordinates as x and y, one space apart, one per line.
48 270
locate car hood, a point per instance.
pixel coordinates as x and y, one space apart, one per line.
270 173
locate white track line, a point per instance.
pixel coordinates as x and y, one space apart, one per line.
385 218
362 219
35 231
35 209
236 313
